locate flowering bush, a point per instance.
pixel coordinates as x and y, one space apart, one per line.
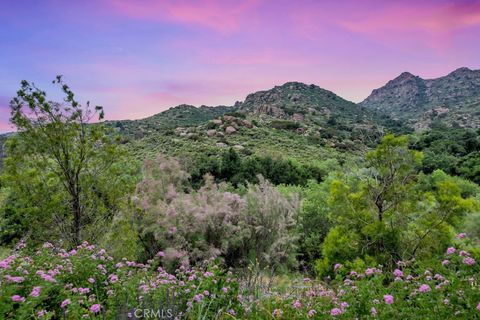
86 282
192 226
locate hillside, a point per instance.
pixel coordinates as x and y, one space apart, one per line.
453 99
182 115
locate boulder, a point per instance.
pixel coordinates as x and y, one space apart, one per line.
230 130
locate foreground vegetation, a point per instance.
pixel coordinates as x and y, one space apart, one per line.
378 232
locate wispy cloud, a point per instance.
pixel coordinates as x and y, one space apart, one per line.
221 16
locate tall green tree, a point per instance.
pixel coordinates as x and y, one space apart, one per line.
389 211
65 176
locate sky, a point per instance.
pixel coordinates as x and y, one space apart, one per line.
138 58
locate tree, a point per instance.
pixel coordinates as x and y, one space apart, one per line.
390 210
62 171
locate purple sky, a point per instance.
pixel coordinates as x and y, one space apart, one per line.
137 58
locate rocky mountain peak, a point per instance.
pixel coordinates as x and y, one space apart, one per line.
411 98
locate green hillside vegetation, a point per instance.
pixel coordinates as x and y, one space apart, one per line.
309 204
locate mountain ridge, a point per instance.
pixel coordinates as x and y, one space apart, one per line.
419 102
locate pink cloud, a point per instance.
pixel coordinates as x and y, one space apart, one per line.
222 16
427 23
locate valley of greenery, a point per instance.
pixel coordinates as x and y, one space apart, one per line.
294 204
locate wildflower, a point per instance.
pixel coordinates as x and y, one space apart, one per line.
461 235
445 262
311 313
198 297
337 266
41 313
451 250
91 280
161 254
344 305
297 304
225 290
336 312
35 292
206 293
84 290
388 299
232 312
469 261
306 280
95 308
398 273
65 303
446 301
463 253
424 288
373 311
9 278
5 264
48 278
113 278
17 298
370 271
73 252
277 313
478 306
110 292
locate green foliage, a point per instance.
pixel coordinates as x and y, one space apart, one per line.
284 124
239 170
390 212
453 150
65 179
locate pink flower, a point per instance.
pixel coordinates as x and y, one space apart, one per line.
478 307
337 266
445 262
161 254
446 301
91 280
297 304
48 277
17 298
424 288
388 299
469 261
95 308
463 253
311 313
461 235
225 290
451 250
277 313
113 278
344 305
65 303
398 273
35 292
373 311
41 313
9 278
84 290
336 312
